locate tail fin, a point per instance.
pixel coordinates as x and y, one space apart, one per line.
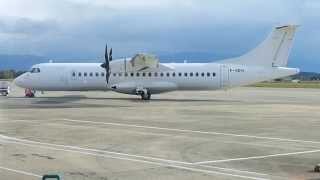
272 52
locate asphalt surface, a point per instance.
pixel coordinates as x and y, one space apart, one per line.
243 133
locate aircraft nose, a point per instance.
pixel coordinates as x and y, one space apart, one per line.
20 81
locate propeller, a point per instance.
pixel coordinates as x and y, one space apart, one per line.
110 55
106 64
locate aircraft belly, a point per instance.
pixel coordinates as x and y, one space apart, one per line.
198 84
130 87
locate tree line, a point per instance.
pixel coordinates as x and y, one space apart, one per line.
10 74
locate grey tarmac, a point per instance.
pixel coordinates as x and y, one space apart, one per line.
242 133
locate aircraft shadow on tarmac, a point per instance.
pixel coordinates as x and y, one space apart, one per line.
153 100
74 101
53 102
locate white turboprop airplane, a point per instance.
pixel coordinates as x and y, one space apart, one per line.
144 75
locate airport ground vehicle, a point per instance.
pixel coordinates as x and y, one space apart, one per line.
4 88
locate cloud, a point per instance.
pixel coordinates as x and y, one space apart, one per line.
24 26
80 28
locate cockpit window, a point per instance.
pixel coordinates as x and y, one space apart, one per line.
35 70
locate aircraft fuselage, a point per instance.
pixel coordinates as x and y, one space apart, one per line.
184 76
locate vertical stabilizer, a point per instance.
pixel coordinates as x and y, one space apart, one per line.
272 52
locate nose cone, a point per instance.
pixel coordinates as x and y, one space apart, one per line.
20 81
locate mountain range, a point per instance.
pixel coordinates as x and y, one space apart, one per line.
24 62
19 62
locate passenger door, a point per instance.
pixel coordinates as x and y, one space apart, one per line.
224 76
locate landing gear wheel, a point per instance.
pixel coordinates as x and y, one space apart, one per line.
146 96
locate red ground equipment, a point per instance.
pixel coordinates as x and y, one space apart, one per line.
29 92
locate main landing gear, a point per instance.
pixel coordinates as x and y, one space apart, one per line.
146 96
144 93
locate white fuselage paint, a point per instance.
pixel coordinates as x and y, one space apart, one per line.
65 77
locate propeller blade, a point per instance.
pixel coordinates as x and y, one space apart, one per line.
110 55
106 64
107 67
106 58
107 76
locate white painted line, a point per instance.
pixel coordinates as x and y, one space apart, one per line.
190 131
21 172
184 130
193 131
136 160
151 133
94 150
130 155
259 157
235 170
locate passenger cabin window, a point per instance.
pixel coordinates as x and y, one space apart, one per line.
161 74
102 74
202 74
150 74
114 74
138 74
79 74
131 74
197 74
173 74
208 74
97 74
186 74
180 74
91 74
213 74
35 70
120 74
168 74
73 74
85 74
143 74
191 74
155 74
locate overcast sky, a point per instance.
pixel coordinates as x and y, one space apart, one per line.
79 29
